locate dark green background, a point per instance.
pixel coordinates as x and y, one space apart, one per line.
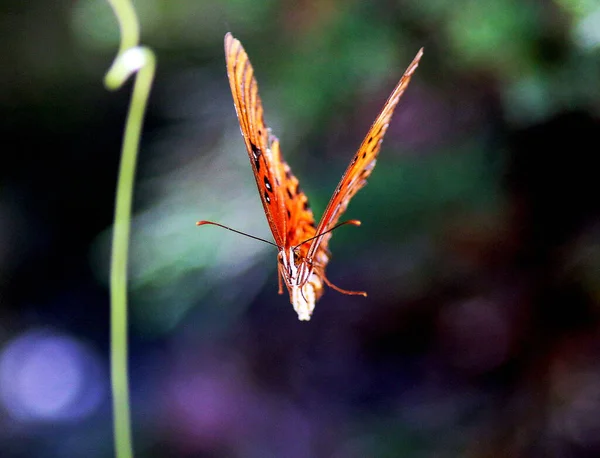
479 248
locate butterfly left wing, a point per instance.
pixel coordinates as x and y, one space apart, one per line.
355 176
262 147
286 206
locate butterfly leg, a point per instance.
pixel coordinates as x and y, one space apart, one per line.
344 291
280 291
303 296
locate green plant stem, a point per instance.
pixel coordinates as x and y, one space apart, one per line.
120 248
128 23
129 60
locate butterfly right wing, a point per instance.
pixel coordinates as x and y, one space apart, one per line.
355 176
264 158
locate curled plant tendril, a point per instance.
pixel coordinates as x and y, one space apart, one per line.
130 59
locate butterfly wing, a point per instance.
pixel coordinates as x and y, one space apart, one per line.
264 158
355 176
286 206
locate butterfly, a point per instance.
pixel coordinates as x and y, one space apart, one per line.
303 252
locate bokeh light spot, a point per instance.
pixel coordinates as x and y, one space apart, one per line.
46 376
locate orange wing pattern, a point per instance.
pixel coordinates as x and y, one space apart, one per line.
286 206
355 176
301 265
298 215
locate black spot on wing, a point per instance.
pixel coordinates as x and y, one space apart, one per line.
256 153
267 198
255 150
289 193
267 184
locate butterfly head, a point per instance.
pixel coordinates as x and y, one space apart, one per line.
297 272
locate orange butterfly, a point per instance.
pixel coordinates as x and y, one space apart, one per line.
303 253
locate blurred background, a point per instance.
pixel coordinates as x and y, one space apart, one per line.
479 248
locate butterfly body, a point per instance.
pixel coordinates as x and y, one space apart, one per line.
304 284
303 246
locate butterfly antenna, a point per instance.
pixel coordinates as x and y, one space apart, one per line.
353 222
202 223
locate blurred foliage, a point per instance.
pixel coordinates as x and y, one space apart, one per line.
479 243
